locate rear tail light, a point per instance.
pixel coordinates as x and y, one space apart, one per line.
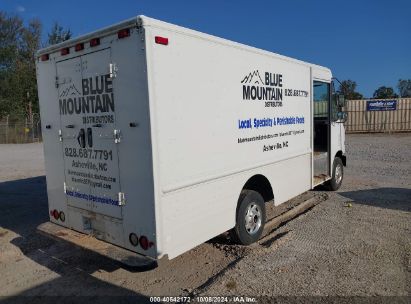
133 239
55 214
123 33
62 216
95 42
144 242
65 51
161 40
44 57
58 215
79 47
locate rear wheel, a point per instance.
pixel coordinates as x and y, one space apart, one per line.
337 176
250 218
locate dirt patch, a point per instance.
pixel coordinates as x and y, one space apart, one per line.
3 233
61 233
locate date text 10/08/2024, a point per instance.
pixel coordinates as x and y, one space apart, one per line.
203 299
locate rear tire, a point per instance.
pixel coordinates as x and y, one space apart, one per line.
250 218
337 177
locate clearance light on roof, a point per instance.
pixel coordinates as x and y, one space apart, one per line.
44 57
65 51
123 33
161 40
79 47
95 42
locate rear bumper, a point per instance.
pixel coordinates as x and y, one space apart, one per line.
124 256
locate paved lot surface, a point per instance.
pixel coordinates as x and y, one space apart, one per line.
357 243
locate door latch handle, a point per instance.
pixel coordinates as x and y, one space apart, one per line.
117 136
70 126
81 138
90 137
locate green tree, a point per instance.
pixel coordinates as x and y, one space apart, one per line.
384 92
404 87
18 44
348 89
58 34
10 33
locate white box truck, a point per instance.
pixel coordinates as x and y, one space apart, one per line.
158 138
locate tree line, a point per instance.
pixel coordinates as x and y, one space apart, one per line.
349 89
19 43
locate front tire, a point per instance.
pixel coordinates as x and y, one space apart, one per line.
337 177
250 218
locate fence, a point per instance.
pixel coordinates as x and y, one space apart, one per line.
17 130
364 117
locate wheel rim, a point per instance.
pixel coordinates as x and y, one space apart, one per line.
252 218
338 174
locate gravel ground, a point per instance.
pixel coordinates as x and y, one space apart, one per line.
338 250
357 243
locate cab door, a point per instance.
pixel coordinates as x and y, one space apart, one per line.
321 126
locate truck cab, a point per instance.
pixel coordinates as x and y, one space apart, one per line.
328 133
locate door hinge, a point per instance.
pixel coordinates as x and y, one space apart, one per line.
65 188
117 136
113 70
57 82
121 199
60 135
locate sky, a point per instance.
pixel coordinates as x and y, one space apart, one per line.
362 40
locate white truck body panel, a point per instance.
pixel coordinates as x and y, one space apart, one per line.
193 145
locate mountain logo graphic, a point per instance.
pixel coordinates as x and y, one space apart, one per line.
253 78
70 91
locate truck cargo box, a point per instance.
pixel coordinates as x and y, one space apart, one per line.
152 133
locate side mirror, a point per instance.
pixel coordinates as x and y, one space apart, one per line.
340 100
342 116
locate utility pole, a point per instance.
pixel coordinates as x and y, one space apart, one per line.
30 118
7 129
30 109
